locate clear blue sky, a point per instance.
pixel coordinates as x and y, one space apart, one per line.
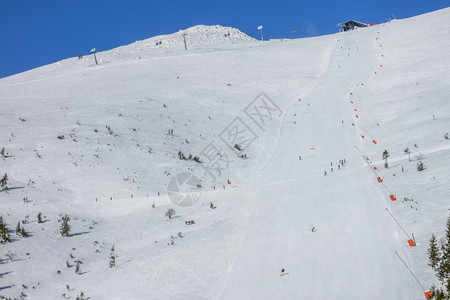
35 33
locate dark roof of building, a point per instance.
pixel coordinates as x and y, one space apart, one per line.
357 23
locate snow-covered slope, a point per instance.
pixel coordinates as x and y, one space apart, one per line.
313 99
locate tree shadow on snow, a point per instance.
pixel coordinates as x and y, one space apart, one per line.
5 273
12 188
5 287
79 233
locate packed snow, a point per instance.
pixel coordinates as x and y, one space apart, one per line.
290 136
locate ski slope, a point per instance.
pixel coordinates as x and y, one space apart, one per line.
351 255
327 99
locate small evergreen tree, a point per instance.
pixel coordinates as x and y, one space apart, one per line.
4 182
23 232
65 226
18 229
420 166
433 253
4 232
39 218
78 268
385 157
112 258
80 297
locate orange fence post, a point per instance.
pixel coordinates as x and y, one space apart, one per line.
427 294
362 136
379 179
411 243
357 116
373 141
392 197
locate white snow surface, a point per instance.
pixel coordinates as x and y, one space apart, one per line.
388 83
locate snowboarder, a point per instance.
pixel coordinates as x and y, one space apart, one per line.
299 158
282 272
325 173
313 229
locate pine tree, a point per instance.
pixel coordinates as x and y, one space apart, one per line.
433 253
23 232
4 182
18 229
385 157
437 293
444 265
80 297
4 232
39 218
112 258
65 227
78 268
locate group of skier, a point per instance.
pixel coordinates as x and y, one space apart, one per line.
341 163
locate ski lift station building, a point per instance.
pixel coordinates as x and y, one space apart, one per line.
351 25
